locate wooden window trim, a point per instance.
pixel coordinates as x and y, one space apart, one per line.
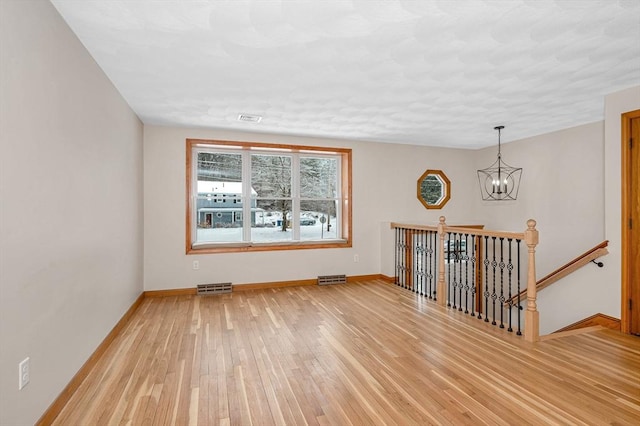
446 186
239 247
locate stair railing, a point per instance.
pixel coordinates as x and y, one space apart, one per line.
584 259
472 270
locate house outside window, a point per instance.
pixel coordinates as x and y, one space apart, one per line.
293 197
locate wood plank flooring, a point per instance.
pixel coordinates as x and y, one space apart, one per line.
355 354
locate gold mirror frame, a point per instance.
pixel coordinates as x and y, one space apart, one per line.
430 176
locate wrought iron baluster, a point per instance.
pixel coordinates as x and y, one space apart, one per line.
448 242
407 265
459 258
494 295
519 332
465 257
414 261
425 290
436 253
429 266
422 259
455 271
486 279
510 268
473 274
420 238
501 298
436 264
459 261
409 253
406 256
427 260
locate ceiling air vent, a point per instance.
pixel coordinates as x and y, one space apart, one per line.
249 118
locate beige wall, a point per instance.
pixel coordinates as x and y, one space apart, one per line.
562 189
384 190
71 206
592 290
571 186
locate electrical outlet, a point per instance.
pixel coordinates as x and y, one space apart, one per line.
24 373
356 258
196 265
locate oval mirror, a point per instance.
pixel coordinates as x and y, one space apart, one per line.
434 189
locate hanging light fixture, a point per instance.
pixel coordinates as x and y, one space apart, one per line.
500 181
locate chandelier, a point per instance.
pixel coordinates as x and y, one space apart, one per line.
500 181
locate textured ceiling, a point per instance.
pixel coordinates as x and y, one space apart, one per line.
425 72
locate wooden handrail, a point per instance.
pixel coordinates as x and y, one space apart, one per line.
567 265
411 226
566 269
488 233
475 230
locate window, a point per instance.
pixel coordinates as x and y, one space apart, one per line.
434 189
245 196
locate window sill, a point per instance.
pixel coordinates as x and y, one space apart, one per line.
206 248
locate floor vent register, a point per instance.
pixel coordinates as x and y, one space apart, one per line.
215 288
332 279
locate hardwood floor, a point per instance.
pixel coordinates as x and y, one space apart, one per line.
360 353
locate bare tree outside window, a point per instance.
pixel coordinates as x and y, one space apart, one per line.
271 179
319 186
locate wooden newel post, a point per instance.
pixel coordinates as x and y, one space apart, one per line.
441 293
531 316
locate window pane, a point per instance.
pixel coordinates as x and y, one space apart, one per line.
318 177
431 189
271 176
272 221
219 199
220 167
318 220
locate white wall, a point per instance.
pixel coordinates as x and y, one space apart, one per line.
384 190
71 206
